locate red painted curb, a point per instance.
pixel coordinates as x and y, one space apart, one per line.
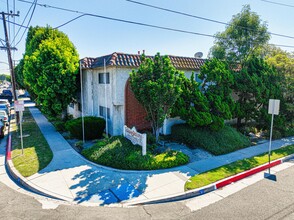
8 148
246 174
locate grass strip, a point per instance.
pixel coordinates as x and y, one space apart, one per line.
37 153
234 168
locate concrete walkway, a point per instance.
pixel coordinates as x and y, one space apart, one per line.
71 177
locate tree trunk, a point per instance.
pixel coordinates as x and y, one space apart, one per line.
64 113
239 122
157 135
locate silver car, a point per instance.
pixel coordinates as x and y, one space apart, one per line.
5 108
3 116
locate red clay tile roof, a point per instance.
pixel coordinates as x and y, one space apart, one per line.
134 60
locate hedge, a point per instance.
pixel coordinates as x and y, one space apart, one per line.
93 127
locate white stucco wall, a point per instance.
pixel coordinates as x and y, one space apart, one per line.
107 95
112 96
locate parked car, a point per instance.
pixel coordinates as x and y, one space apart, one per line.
4 107
3 116
6 94
2 129
5 101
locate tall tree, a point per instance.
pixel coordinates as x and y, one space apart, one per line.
284 63
246 35
256 84
241 45
210 103
50 68
192 105
156 85
19 74
217 82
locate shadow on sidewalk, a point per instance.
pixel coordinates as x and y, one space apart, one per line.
97 186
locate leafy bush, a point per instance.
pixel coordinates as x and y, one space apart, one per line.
118 152
276 134
289 131
94 127
59 126
151 139
79 145
219 142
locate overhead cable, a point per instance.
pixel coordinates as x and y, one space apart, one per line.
202 18
127 21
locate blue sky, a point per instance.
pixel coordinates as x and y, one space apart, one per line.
96 37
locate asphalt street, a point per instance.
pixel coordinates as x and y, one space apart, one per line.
263 200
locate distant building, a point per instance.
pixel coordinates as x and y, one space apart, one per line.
107 93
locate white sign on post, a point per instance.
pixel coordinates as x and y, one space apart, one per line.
136 138
273 109
19 107
274 106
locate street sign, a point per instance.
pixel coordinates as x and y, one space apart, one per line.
19 106
274 106
273 109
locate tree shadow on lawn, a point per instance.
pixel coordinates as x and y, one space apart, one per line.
241 166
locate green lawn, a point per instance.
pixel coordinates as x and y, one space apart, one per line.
118 152
37 153
234 168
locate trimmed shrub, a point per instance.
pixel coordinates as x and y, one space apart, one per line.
59 126
94 127
151 139
79 145
289 132
219 142
118 152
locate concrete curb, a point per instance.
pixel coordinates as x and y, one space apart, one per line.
22 181
25 183
213 186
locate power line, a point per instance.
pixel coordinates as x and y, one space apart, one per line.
125 21
7 5
201 18
13 27
19 25
1 40
35 4
278 3
70 21
23 21
139 23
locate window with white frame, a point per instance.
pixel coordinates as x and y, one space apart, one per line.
104 78
103 111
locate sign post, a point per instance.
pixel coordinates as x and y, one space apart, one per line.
273 109
19 107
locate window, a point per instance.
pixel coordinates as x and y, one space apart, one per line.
102 78
102 112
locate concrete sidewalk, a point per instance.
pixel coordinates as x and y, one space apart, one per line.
71 177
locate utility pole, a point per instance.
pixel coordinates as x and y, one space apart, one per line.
11 67
8 48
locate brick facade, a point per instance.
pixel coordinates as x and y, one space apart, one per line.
135 114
